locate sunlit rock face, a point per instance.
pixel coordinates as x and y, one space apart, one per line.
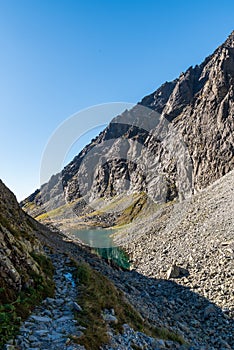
175 142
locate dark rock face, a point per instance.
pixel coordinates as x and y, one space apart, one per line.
176 141
17 245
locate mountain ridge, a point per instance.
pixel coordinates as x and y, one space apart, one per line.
196 113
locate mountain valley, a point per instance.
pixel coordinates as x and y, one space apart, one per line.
161 175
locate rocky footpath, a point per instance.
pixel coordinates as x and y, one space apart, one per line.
52 322
53 325
164 303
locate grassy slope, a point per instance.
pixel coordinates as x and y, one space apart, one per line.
126 209
98 293
21 254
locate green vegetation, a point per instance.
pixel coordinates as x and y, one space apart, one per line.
9 226
44 263
53 213
136 203
98 293
14 308
133 210
42 217
57 212
29 206
17 231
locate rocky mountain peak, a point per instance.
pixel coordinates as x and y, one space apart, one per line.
194 149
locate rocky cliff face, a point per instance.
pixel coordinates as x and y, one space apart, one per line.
175 142
20 251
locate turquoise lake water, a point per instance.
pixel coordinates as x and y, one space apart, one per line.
96 238
102 243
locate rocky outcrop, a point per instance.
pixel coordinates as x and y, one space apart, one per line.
175 142
20 250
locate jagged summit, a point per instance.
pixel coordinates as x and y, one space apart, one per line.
230 40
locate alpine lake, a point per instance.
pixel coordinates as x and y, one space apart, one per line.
101 242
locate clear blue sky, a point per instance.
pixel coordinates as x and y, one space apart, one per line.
57 57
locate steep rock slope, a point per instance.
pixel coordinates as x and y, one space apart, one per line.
25 272
175 142
196 238
17 242
197 234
